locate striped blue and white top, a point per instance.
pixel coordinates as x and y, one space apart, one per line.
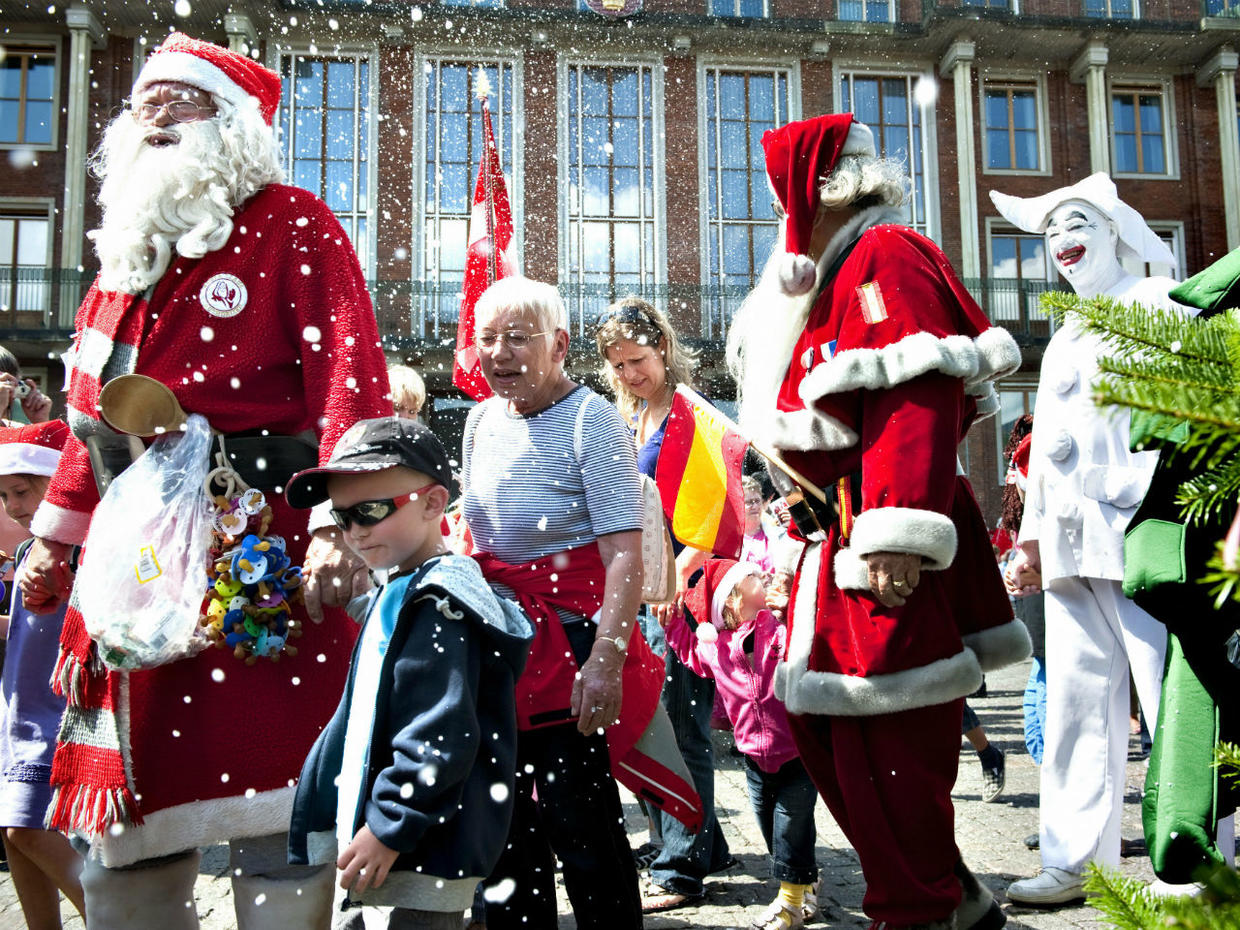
535 485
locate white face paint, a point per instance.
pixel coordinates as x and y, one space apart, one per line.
1082 243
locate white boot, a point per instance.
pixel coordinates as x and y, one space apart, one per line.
158 897
281 903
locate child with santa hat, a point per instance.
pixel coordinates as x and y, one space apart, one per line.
739 643
41 861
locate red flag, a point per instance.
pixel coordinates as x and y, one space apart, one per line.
488 257
699 476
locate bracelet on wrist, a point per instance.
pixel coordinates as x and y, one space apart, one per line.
617 642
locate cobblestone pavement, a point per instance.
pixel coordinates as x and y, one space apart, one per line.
990 837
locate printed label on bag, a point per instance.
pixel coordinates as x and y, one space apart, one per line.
147 568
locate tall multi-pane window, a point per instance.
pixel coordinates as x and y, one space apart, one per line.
886 104
452 151
1222 8
989 4
27 95
24 254
1138 130
866 11
749 9
611 203
1111 9
1019 273
1012 136
741 225
324 127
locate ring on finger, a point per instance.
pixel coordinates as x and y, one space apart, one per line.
900 584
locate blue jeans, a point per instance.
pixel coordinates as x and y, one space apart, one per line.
687 858
783 802
1035 708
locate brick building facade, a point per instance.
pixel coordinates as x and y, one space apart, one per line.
630 143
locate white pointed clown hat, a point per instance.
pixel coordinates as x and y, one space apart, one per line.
1135 238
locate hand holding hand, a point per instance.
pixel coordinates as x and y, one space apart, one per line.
893 576
365 862
1024 573
46 577
334 573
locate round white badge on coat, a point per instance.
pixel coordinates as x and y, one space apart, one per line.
223 295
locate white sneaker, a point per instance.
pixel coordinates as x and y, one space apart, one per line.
1050 886
1160 889
809 904
778 917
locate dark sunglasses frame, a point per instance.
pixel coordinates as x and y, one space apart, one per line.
374 512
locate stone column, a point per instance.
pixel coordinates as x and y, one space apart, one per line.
1220 70
85 34
957 64
242 36
1090 68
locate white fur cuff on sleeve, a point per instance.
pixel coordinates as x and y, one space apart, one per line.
60 524
904 529
852 572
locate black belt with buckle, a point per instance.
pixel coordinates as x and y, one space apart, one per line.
263 462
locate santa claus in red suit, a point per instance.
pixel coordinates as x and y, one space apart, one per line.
863 360
245 298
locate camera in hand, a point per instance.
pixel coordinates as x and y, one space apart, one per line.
22 390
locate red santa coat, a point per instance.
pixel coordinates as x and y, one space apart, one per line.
273 331
891 369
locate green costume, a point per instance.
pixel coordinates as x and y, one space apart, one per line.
1184 798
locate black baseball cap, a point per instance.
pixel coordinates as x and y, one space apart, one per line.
373 445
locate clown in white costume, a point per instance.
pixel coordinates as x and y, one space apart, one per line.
1084 486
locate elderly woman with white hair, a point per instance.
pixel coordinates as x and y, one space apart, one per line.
552 498
863 360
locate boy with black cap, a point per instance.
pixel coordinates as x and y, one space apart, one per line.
409 788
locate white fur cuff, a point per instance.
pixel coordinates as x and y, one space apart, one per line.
60 524
1000 646
905 529
808 431
852 572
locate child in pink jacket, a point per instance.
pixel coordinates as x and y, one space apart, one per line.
739 643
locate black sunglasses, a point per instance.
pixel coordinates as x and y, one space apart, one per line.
369 513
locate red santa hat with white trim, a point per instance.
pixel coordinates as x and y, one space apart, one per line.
799 156
220 72
1018 470
33 449
707 598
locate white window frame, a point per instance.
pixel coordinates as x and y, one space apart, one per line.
892 13
275 54
658 154
55 45
766 11
35 207
1165 87
1042 106
1168 229
997 226
516 184
792 69
1136 13
1023 382
929 125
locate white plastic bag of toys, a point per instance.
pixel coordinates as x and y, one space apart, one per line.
143 571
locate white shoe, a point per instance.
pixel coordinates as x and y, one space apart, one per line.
778 917
1050 886
1160 889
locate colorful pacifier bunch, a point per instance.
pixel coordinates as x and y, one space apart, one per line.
251 583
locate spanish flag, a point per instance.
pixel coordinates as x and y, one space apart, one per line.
699 476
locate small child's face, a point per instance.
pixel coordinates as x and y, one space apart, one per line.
20 498
400 539
746 599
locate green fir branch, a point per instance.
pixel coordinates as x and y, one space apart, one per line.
1125 902
1212 493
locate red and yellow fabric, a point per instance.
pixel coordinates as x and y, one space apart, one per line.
699 476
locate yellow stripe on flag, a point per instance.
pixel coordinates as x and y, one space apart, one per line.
703 486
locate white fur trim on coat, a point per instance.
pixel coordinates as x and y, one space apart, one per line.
973 360
927 533
987 399
198 823
809 430
810 692
852 572
1000 646
60 524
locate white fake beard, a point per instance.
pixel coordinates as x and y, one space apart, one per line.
179 196
761 339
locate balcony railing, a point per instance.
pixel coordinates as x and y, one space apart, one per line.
38 304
